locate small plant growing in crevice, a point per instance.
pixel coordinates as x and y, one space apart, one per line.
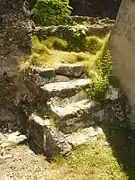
104 63
101 79
99 87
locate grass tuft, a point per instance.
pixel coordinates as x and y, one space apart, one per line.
94 44
55 43
38 47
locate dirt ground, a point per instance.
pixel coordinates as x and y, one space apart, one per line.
19 162
95 161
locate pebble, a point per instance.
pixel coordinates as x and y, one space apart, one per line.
6 144
7 156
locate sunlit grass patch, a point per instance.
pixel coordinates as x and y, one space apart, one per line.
46 53
55 43
92 161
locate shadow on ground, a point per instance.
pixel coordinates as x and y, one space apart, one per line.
122 140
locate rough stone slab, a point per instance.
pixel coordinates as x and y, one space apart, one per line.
71 70
84 135
75 115
64 89
43 72
16 138
56 143
60 78
37 127
60 102
112 93
41 81
47 138
74 108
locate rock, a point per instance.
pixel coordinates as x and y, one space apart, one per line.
43 72
5 144
99 116
74 116
6 177
82 95
84 135
71 70
60 78
116 105
47 138
16 138
15 44
37 130
112 93
64 89
38 80
56 143
7 156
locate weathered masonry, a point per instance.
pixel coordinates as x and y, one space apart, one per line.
15 42
122 45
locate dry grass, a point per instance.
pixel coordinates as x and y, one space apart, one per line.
93 161
45 57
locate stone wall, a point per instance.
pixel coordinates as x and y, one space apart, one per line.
62 31
15 42
122 45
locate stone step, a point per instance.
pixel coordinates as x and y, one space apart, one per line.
48 139
73 116
71 70
43 72
62 102
84 135
64 89
41 76
52 142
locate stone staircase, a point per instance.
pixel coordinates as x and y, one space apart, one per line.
68 116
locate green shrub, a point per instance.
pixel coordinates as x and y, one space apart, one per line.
94 44
77 38
51 12
55 43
